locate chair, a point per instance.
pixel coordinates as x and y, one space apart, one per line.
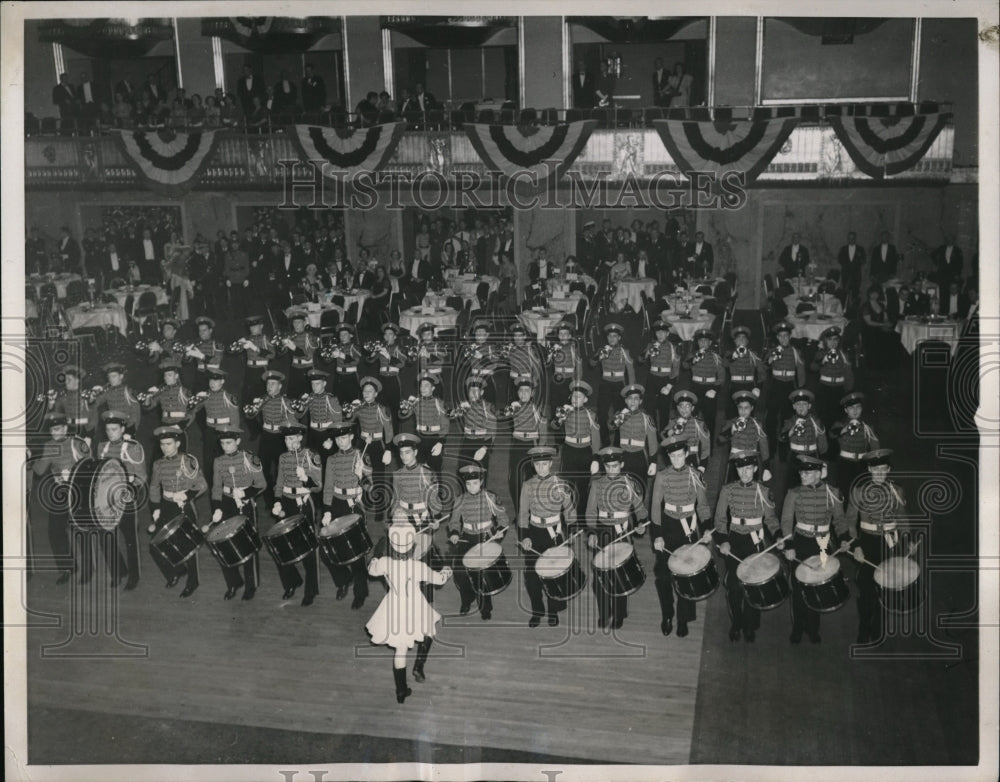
766 308
385 116
76 292
574 115
329 320
582 309
487 117
117 282
623 118
727 317
338 300
435 119
482 294
145 308
457 119
550 117
652 113
351 316
454 302
805 306
603 117
528 117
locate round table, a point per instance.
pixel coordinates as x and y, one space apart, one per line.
413 318
122 294
466 285
923 286
436 299
629 292
359 295
804 286
680 302
830 304
915 330
565 303
103 315
685 328
59 280
692 285
811 325
563 283
540 322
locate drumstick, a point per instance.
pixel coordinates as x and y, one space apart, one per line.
631 532
565 542
773 545
496 534
731 554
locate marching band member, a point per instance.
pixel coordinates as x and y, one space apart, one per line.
324 412
475 518
856 438
347 363
238 478
207 353
801 434
118 396
172 398
431 421
744 433
744 510
342 495
567 365
545 504
177 481
221 411
133 457
873 509
529 431
59 456
836 377
479 425
259 351
636 435
617 371
692 428
678 504
405 617
664 369
168 346
79 413
581 442
274 411
787 373
302 346
391 359
707 374
808 512
523 361
375 421
480 360
432 356
616 506
747 371
299 477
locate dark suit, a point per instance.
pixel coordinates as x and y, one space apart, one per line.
960 310
697 263
851 268
126 89
313 94
154 92
583 94
284 276
794 267
69 254
365 280
65 98
246 94
947 270
284 102
660 81
883 269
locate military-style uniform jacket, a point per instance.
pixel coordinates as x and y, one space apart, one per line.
288 483
432 418
120 398
582 429
612 501
222 410
834 369
375 422
618 367
804 435
132 456
810 510
259 358
213 355
305 347
745 509
664 363
856 438
746 434
173 402
524 362
344 470
416 490
876 506
391 366
324 411
476 516
694 431
479 420
677 494
638 432
787 365
276 412
744 366
348 365
544 503
706 368
78 411
178 474
567 362
239 470
59 455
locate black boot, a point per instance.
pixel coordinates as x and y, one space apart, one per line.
418 667
399 674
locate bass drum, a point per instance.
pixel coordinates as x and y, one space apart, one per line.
99 491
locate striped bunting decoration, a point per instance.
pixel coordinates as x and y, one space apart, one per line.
167 162
511 149
887 145
348 150
716 147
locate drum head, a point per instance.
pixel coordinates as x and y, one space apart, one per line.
482 555
811 571
610 557
554 562
168 529
897 573
225 529
758 569
284 526
689 559
339 525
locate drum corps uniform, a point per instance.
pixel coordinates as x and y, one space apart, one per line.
855 438
787 373
133 457
581 443
222 411
121 398
692 429
302 350
808 512
259 351
636 438
479 427
211 354
747 371
617 371
347 366
529 431
678 502
324 412
389 368
275 413
836 378
432 425
545 505
342 494
744 435
171 399
615 507
664 369
294 495
872 512
376 425
238 478
567 367
742 513
80 415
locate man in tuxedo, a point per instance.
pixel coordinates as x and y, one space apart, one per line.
284 274
416 280
851 258
127 90
583 87
954 303
64 97
313 91
698 258
794 258
422 101
905 304
249 87
153 91
505 244
366 275
658 250
947 261
88 101
661 96
69 251
587 253
367 111
147 257
285 96
884 260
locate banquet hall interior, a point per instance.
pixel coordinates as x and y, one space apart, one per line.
457 192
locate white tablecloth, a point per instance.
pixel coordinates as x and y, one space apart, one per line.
805 286
692 285
540 323
812 325
565 303
121 294
679 303
85 316
413 318
628 292
59 280
926 286
466 288
685 328
913 332
830 304
360 296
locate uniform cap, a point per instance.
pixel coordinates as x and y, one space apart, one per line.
661 326
70 371
541 453
677 442
878 456
254 320
168 432
611 454
114 366
478 382
685 396
853 398
390 327
430 378
744 396
744 330
348 327
273 374
205 321
582 386
635 388
229 433
292 428
809 464
215 373
704 334
170 322
802 395
341 429
317 374
471 472
295 313
113 417
374 382
614 328
782 326
170 365
56 419
405 440
743 458
832 331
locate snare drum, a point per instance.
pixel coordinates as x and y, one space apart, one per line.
824 589
560 573
291 540
618 570
487 568
344 540
898 582
694 574
99 491
763 580
233 541
177 540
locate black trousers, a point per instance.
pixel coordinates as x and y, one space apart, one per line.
574 468
673 538
427 443
848 471
519 467
828 403
707 406
298 383
656 404
169 510
250 576
467 450
392 394
272 445
348 387
541 541
378 497
803 618
210 449
778 407
462 581
357 571
289 574
611 608
609 398
54 496
742 615
871 614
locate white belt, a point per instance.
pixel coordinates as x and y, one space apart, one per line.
693 449
413 505
706 379
831 379
296 490
427 429
79 421
229 489
433 370
478 372
480 527
256 362
320 426
784 373
577 440
742 378
301 362
678 508
850 455
369 436
347 370
390 370
225 420
355 492
804 447
617 514
546 521
878 529
527 435
747 522
638 443
272 427
609 374
815 529
659 371
175 414
477 432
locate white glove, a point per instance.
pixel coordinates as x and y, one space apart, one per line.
859 554
387 458
276 510
327 518
196 353
229 284
480 454
526 544
659 545
64 475
156 515
755 392
781 544
217 516
592 541
204 529
766 475
666 390
154 347
300 473
725 548
453 538
594 468
328 444
436 450
88 441
246 283
238 494
151 528
651 471
446 572
701 468
789 554
710 394
250 346
384 352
